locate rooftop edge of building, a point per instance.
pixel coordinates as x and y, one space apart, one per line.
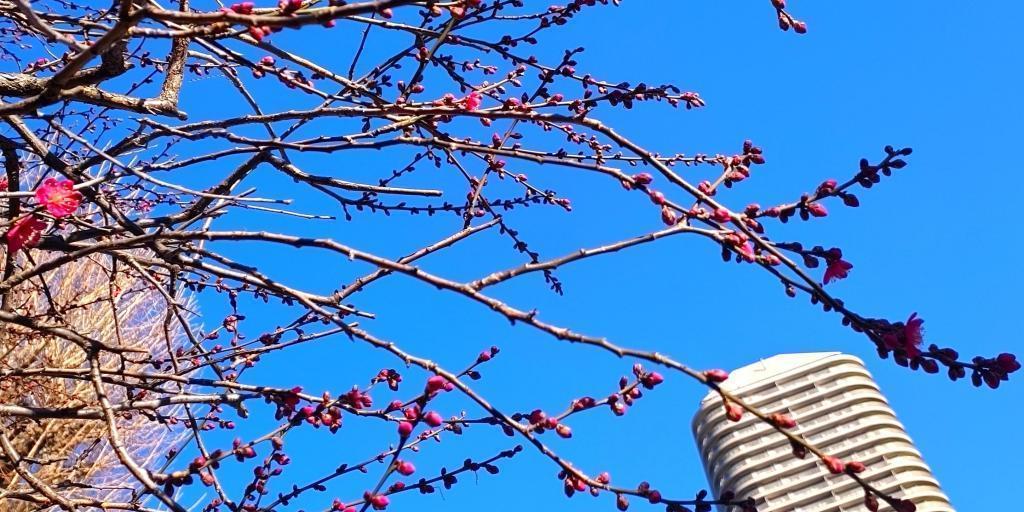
774 367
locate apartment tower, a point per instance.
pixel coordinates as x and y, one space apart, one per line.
839 408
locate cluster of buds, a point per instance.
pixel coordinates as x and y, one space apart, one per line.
471 101
837 467
436 384
377 501
286 401
413 414
829 187
868 175
737 167
871 503
241 8
540 421
690 99
457 9
835 266
262 474
260 32
265 63
653 495
649 380
583 403
1005 363
486 355
339 506
390 376
781 420
572 484
992 371
786 20
746 505
740 243
289 6
903 339
357 399
242 451
322 415
668 213
36 65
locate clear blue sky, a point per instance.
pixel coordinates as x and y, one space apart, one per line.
939 239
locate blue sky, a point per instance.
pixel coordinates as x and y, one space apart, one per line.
938 239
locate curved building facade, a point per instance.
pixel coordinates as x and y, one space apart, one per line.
839 408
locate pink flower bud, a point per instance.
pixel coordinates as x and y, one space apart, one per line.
433 419
855 467
733 412
782 420
405 468
834 465
716 375
436 383
537 417
654 497
404 429
817 209
411 413
652 379
1007 363
643 178
379 501
668 216
563 431
206 477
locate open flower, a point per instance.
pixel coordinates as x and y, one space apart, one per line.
473 100
58 197
747 251
913 335
837 269
25 233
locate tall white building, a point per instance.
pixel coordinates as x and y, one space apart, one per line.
839 408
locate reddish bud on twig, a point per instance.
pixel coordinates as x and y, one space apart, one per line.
834 465
404 428
716 375
433 419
